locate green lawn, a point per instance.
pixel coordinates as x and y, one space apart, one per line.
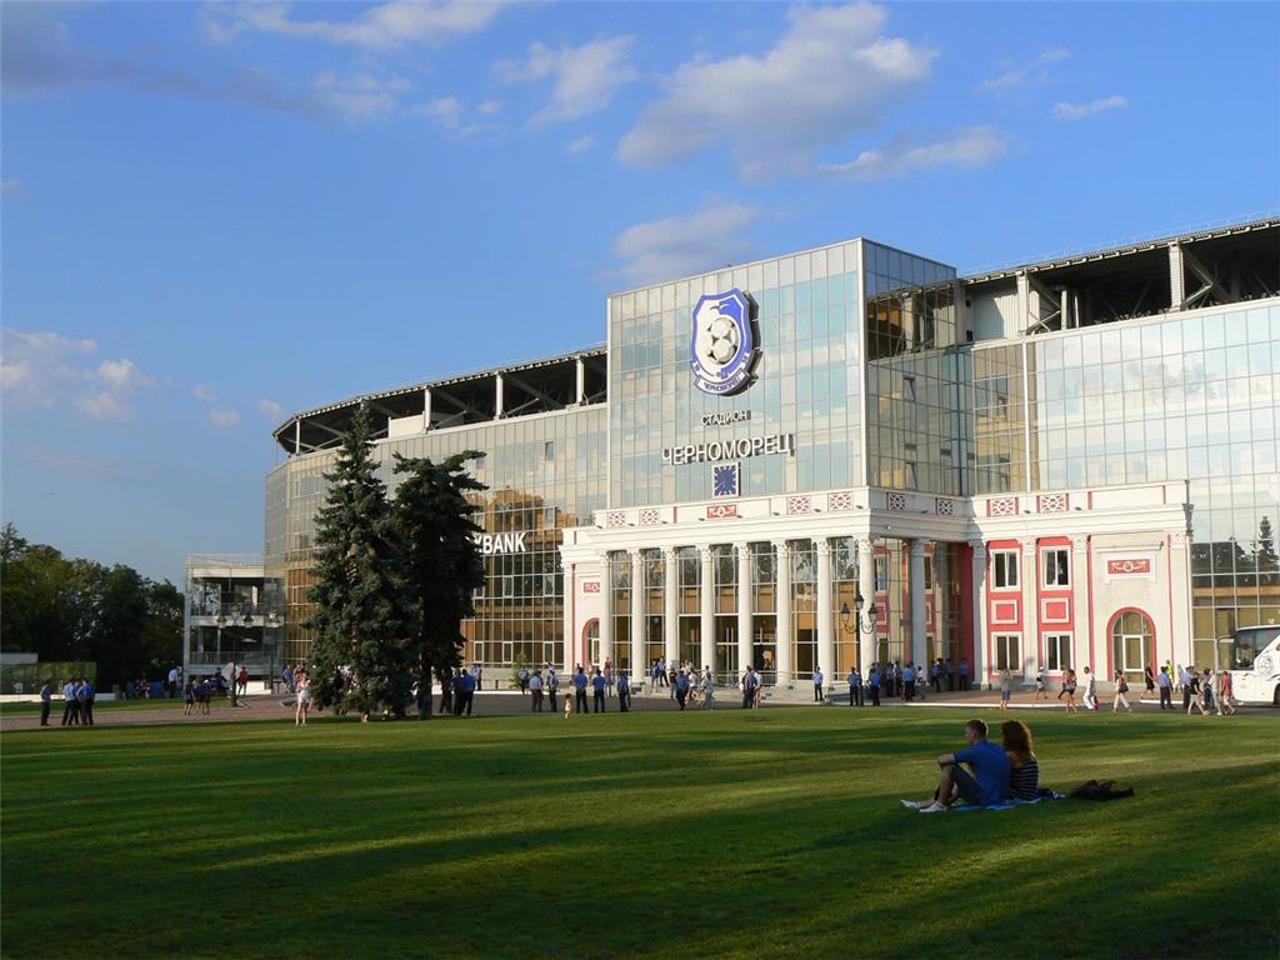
768 834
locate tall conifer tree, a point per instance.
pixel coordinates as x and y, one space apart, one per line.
442 561
363 613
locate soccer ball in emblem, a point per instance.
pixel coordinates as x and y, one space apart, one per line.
722 339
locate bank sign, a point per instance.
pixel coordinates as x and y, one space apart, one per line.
493 543
722 344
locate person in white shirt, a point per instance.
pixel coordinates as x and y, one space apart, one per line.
817 685
1090 690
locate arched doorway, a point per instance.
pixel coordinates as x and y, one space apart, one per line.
1133 642
589 652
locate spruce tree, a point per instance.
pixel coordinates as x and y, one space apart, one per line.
442 561
363 615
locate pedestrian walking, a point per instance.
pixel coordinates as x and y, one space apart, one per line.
553 687
1040 691
1225 706
1090 690
46 701
935 675
522 678
1069 690
681 688
1149 678
1206 686
708 688
1006 688
1187 681
1122 687
1165 683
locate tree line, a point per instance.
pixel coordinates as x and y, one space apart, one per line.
393 577
72 609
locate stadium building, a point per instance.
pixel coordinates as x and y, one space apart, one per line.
850 454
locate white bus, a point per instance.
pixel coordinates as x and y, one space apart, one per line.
1255 665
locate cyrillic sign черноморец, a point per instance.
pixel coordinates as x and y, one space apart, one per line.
728 449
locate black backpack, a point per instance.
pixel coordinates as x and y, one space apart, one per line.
1100 790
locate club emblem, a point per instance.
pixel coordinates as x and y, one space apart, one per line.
723 348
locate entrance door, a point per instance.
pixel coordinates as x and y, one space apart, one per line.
1132 642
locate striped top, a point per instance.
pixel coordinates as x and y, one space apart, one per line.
1024 781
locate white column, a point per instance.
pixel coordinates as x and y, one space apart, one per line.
978 665
826 616
744 606
570 644
297 438
916 588
1177 282
606 616
782 601
671 608
426 409
707 623
1082 653
581 390
1181 642
638 597
1031 606
498 399
866 587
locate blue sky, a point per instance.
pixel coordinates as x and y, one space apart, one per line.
214 214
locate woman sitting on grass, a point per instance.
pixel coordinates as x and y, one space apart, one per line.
1024 776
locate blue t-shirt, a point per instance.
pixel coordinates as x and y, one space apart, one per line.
468 683
580 681
598 682
990 769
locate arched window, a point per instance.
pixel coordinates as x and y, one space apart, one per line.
1132 642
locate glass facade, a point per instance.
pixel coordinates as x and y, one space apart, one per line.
807 381
866 365
544 473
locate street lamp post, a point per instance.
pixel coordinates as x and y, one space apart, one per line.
237 621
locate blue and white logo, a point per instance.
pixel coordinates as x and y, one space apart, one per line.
723 348
724 480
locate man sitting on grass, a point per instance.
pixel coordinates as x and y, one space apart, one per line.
988 784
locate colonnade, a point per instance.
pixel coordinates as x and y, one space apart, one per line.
825 608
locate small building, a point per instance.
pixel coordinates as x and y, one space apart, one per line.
232 615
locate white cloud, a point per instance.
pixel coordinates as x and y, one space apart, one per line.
273 411
123 375
104 405
965 149
46 369
204 392
1027 74
832 74
382 27
1078 111
489 107
38 369
586 77
359 97
582 144
224 417
446 111
685 244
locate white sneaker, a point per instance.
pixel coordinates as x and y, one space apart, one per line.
915 804
934 807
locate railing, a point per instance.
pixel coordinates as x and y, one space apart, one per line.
259 611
